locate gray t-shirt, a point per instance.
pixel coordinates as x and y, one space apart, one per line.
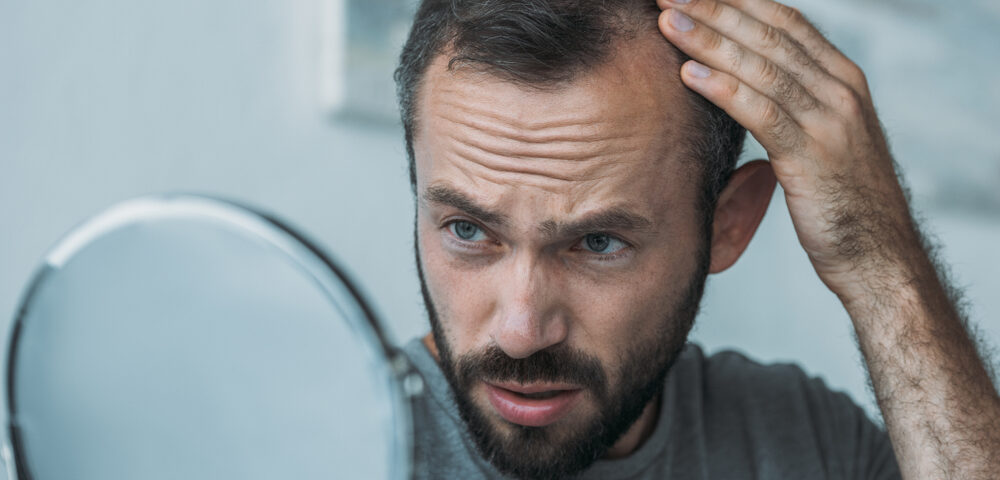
721 417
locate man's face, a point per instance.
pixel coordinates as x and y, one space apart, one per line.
561 252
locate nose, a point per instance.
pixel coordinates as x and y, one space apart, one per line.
530 315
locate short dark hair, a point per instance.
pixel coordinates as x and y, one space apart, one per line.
547 43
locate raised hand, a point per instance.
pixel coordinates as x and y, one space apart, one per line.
810 107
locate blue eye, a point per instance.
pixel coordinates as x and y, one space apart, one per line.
602 243
467 231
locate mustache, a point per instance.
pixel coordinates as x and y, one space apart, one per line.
557 364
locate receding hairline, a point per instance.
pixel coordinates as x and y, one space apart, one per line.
635 46
625 27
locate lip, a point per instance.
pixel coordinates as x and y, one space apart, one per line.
531 412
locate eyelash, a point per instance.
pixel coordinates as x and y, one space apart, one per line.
608 257
620 253
464 243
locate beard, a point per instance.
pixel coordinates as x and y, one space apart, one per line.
549 451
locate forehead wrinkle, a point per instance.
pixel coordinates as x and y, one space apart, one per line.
476 174
563 161
563 170
553 156
590 128
563 148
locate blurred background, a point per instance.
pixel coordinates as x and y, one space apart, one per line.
290 106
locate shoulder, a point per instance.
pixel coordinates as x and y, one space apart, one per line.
777 416
733 379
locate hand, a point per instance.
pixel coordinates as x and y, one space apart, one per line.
810 108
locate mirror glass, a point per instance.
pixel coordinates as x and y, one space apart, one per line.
184 337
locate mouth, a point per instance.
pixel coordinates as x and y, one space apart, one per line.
534 405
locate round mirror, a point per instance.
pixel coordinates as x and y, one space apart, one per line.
182 337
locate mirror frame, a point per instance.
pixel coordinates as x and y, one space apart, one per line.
306 255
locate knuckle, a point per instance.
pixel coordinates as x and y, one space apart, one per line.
785 92
807 102
730 90
715 10
736 56
734 19
847 100
841 91
778 127
851 106
714 41
769 73
857 76
771 37
792 44
789 15
771 116
788 91
796 52
801 59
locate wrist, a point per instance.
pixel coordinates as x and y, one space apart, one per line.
904 294
875 258
892 281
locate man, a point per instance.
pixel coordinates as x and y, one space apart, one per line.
575 183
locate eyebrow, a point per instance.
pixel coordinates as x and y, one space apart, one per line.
447 196
613 219
616 219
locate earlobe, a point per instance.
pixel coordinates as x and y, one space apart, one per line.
739 211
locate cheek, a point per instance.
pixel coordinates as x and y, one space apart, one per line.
460 296
614 317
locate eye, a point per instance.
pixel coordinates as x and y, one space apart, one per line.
467 231
602 243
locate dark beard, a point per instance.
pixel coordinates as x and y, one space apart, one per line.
538 452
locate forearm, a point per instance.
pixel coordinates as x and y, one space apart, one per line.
938 401
810 107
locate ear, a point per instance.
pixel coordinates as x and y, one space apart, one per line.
740 209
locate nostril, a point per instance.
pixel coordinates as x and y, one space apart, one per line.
521 334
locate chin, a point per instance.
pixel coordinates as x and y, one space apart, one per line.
563 448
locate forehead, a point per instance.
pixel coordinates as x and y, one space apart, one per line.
616 134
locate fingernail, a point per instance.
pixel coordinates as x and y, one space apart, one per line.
680 21
698 70
681 2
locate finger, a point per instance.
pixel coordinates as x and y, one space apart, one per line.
766 40
816 45
721 53
770 124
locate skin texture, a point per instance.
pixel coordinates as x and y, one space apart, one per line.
533 170
810 107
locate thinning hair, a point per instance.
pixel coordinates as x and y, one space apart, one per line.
548 43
